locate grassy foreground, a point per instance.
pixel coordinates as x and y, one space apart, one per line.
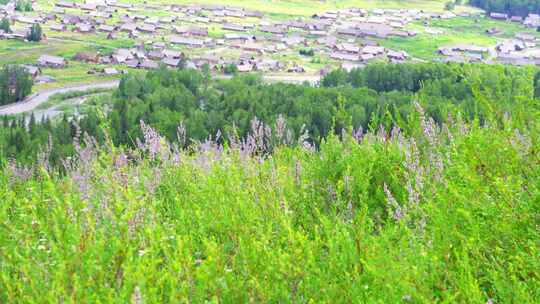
443 214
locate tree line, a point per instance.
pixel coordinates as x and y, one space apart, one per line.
378 95
511 7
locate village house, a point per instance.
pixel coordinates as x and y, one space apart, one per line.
70 19
112 36
171 62
516 59
493 31
107 28
58 27
373 50
233 27
244 67
51 61
34 71
65 4
347 48
128 27
273 29
155 55
293 40
110 72
148 64
518 19
84 28
86 57
146 28
239 37
344 56
186 41
396 55
88 6
527 37
532 20
173 54
498 16
296 69
28 20
510 46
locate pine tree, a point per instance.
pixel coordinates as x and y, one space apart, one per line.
35 33
5 25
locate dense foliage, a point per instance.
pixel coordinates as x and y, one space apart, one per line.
432 213
377 95
23 6
511 7
35 34
5 25
15 84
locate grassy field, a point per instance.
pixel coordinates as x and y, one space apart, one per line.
305 7
388 219
460 30
423 46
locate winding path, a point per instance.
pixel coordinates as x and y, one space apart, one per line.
33 101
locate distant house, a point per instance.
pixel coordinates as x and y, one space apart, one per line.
510 46
397 55
493 31
58 27
84 28
347 48
65 4
498 16
112 36
34 71
128 27
233 27
107 28
71 19
273 29
88 6
244 68
110 71
86 57
186 41
528 37
373 50
155 55
532 20
146 28
344 56
516 19
149 64
172 54
171 62
197 31
51 61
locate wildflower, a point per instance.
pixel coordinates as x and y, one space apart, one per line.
358 134
393 206
281 128
152 141
19 172
136 296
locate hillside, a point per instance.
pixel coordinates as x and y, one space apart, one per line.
432 198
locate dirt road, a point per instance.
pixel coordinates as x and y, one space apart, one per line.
34 100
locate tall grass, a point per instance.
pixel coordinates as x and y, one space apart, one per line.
441 214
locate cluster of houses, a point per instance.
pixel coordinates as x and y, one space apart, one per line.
219 35
532 20
175 35
520 50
